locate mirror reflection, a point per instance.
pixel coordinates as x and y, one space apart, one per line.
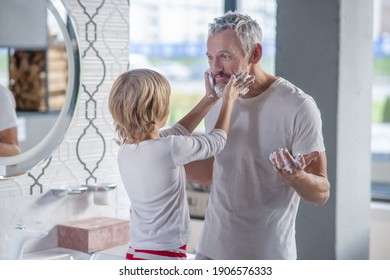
40 68
33 66
9 143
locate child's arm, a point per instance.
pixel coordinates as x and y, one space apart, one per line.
194 117
236 85
193 148
230 94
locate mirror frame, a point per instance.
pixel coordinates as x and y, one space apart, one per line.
24 162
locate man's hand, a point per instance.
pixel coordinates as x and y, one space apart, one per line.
289 166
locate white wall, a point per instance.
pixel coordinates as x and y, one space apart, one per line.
379 231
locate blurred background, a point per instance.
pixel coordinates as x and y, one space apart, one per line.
180 56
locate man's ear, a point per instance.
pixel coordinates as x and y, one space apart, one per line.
257 54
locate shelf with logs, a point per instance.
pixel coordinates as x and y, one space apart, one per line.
38 78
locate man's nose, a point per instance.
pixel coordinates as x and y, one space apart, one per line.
215 66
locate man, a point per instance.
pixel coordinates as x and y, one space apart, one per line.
9 144
254 200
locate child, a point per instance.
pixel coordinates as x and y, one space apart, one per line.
151 162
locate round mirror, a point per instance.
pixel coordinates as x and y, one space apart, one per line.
56 114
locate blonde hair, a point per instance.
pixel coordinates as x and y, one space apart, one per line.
138 100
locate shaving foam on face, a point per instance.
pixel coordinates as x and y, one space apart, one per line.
245 78
218 89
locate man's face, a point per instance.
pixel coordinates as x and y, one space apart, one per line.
225 56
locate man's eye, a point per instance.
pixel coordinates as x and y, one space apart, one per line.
225 56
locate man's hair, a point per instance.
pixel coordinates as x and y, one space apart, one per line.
138 100
248 30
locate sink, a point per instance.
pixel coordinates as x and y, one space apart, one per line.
114 253
119 253
58 253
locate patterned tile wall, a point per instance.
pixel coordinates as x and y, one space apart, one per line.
87 154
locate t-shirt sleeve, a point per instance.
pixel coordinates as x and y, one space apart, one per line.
176 129
196 147
307 135
8 117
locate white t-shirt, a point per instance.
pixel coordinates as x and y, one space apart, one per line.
251 212
8 117
154 177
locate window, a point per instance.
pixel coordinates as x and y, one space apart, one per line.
176 49
380 145
4 68
264 12
173 38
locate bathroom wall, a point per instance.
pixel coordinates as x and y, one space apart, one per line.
379 231
87 154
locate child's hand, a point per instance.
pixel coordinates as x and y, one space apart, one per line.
237 85
210 84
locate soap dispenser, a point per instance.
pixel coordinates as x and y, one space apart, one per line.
19 238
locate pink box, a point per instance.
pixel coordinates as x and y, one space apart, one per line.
94 234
